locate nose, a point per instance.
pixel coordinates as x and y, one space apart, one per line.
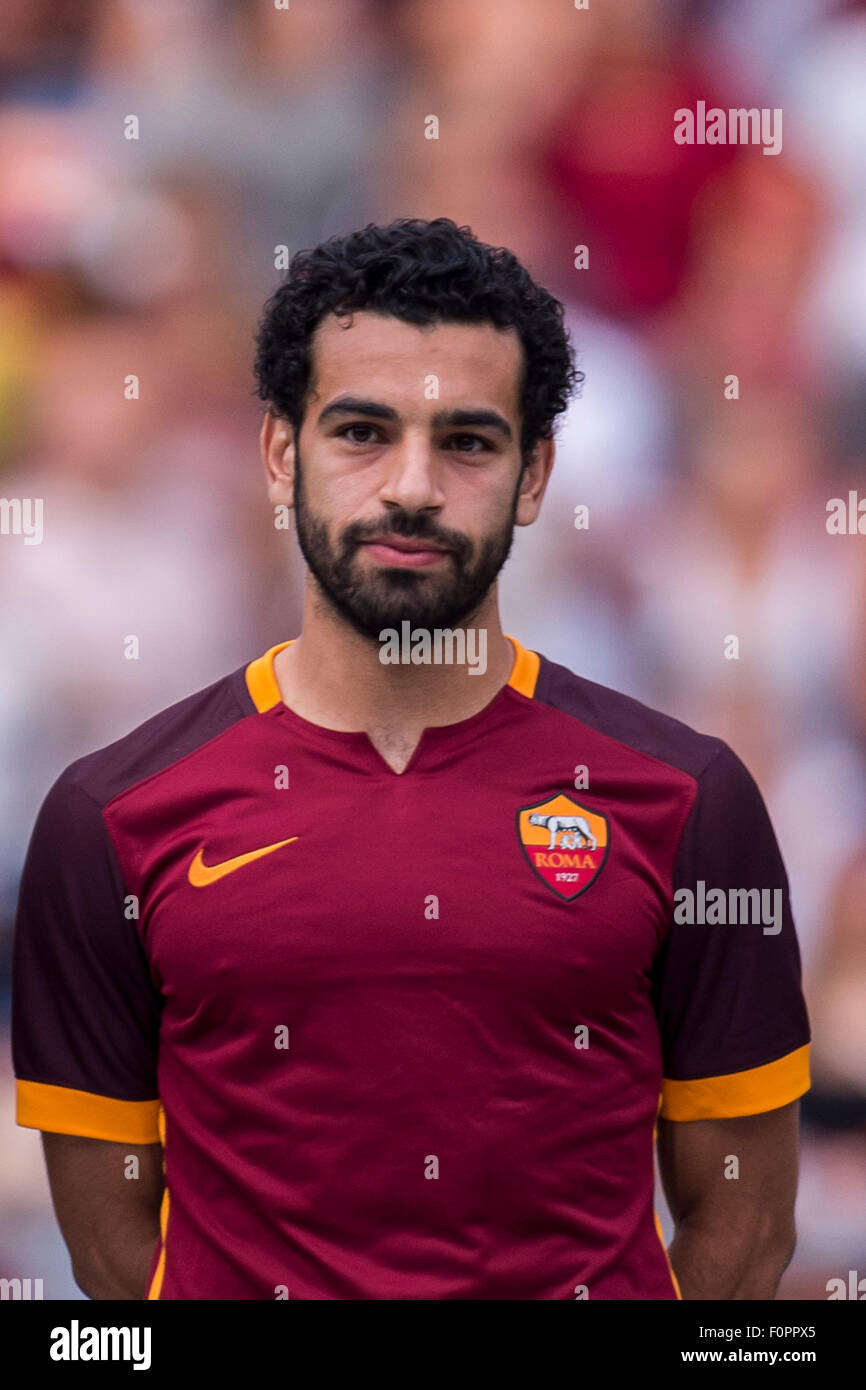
412 475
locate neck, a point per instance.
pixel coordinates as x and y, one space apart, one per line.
333 676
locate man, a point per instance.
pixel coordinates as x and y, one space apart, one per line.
380 968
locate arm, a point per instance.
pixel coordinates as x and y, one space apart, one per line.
110 1222
85 1041
735 1045
734 1236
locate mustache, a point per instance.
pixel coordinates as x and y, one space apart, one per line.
408 527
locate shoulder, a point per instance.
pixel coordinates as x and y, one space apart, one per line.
153 745
630 722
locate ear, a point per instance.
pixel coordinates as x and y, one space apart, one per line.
533 482
277 444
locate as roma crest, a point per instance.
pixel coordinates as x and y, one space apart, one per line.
565 842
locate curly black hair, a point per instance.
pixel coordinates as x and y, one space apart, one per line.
421 272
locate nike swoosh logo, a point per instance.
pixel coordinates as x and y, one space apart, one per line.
201 874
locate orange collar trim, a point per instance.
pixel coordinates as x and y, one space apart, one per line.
261 681
265 691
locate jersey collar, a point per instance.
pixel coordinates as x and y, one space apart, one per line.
265 693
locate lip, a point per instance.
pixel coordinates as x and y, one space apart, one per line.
398 552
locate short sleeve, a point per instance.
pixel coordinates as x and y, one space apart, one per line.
85 1010
727 982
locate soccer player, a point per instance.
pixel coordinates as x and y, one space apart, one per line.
389 955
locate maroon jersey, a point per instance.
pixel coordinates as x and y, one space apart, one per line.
405 1036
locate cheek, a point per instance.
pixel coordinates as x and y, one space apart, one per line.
338 502
341 502
498 511
336 487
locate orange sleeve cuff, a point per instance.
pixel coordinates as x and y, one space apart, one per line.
740 1092
61 1110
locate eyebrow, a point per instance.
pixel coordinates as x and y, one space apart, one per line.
481 419
442 419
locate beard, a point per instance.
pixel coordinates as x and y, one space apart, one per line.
371 602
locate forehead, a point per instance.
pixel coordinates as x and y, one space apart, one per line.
384 359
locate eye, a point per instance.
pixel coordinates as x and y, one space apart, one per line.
463 439
351 430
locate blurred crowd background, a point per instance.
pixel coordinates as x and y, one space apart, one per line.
262 128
